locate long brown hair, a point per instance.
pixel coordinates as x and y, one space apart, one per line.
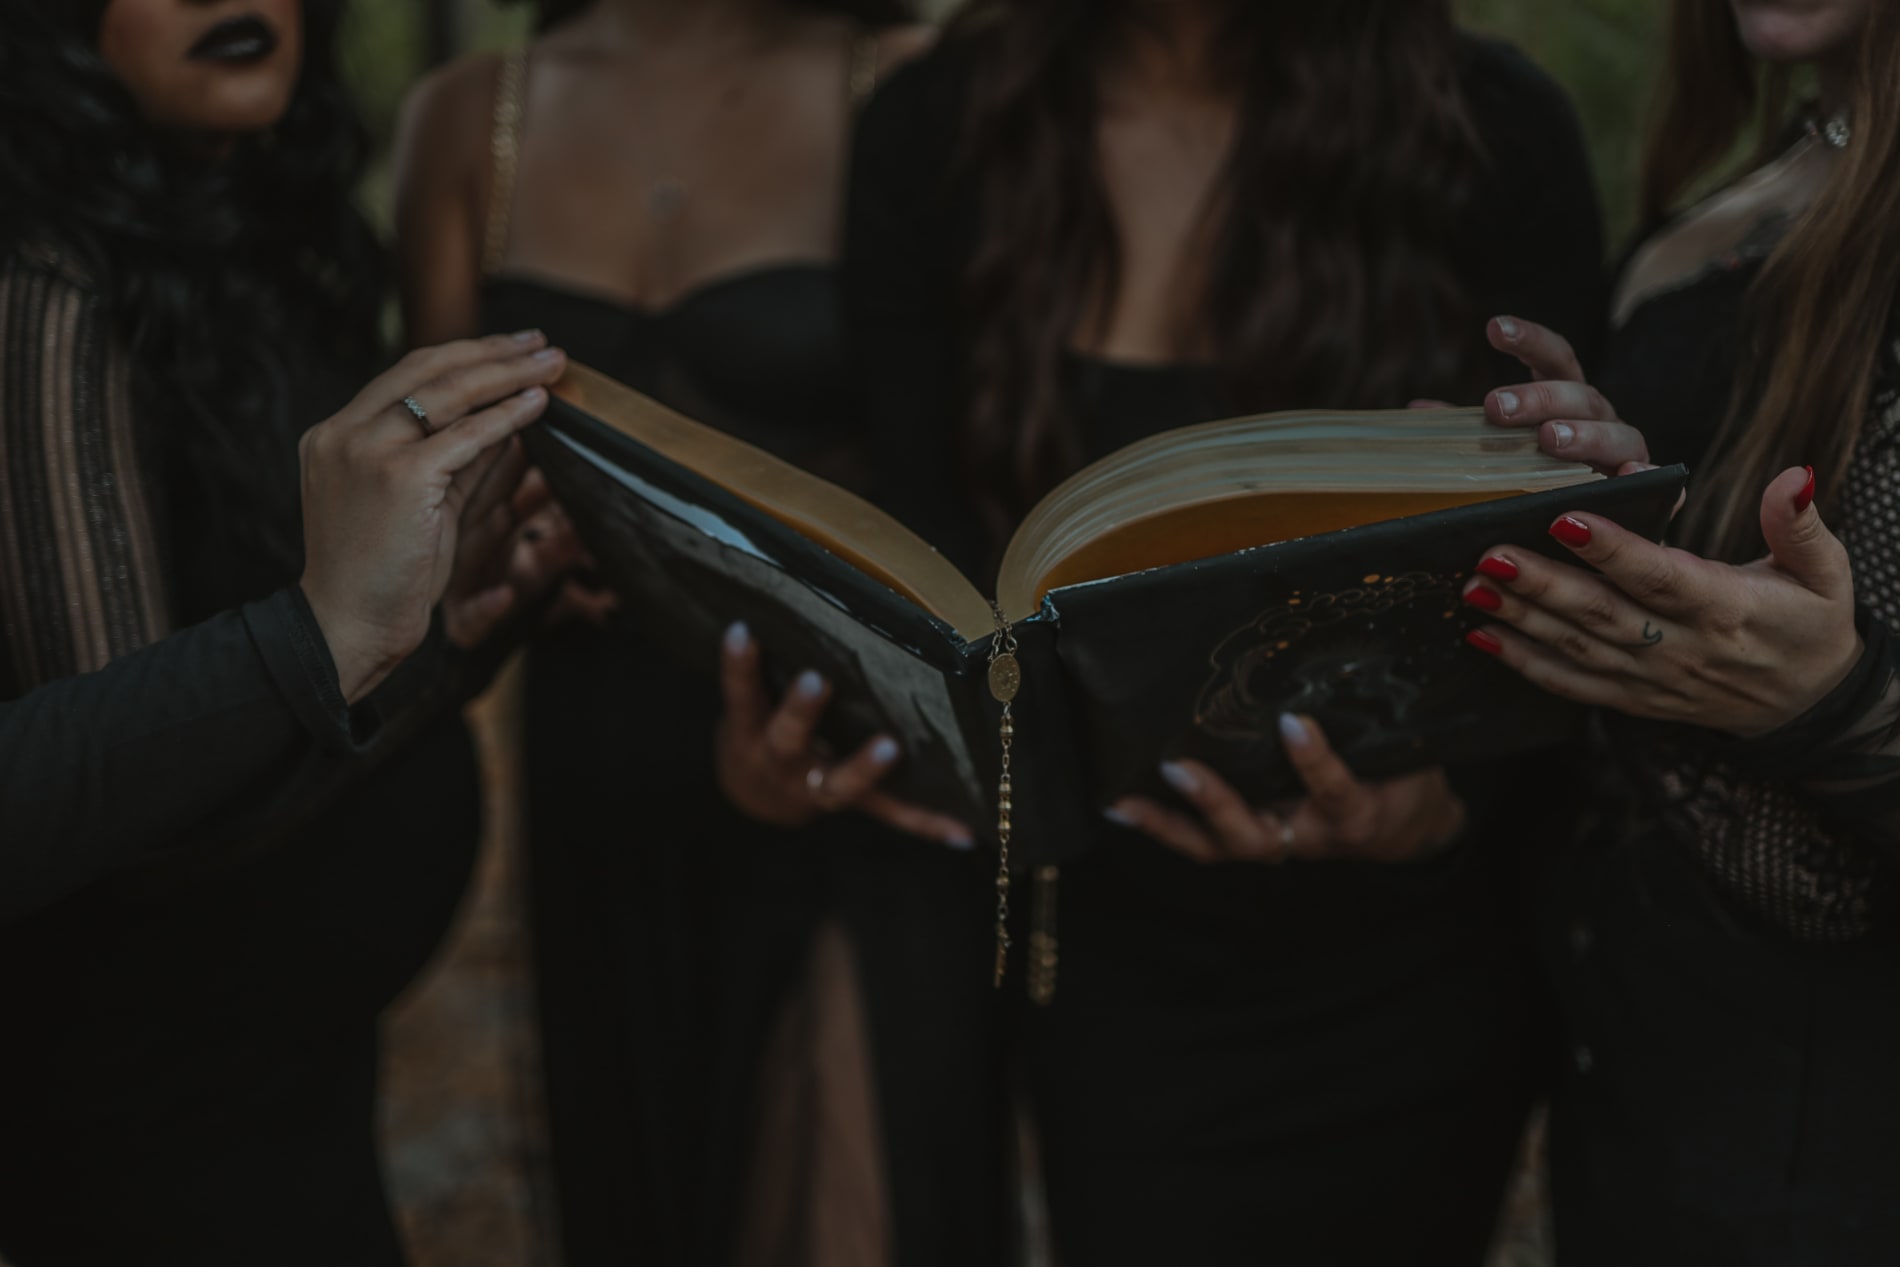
1330 282
1819 314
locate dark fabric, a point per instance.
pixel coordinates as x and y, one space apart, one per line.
216 874
1724 1084
667 927
1725 1094
1327 1063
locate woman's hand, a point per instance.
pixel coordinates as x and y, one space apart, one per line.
1341 818
384 491
515 546
1573 420
1664 634
773 769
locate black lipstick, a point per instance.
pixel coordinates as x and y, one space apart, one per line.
237 40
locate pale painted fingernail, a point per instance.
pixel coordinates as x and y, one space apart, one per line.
1507 404
548 356
1118 816
1561 435
738 638
809 684
527 336
1180 778
533 396
960 840
1293 730
884 750
1508 328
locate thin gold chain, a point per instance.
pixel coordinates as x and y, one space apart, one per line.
1005 680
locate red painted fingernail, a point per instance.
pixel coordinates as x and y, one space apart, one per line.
1483 598
1484 642
1572 532
1498 569
1805 498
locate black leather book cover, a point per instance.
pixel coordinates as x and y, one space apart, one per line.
1362 629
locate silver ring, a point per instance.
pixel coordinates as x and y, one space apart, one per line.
422 415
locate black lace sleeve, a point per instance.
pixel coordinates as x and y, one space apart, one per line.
1801 824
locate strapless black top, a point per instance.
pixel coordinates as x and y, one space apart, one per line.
758 354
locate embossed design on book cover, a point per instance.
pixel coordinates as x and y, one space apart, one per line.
1362 660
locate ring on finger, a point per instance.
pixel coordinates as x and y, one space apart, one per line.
414 406
815 787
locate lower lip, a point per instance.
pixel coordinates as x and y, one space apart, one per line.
240 51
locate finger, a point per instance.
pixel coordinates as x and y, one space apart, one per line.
1237 829
490 480
1660 579
475 618
915 820
1604 446
1799 543
1563 677
1177 831
1578 615
456 447
1333 792
1560 400
466 390
740 681
788 732
532 494
851 780
1305 832
427 364
485 545
1541 350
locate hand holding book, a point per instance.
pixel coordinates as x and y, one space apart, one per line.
1573 420
1341 818
774 769
1661 633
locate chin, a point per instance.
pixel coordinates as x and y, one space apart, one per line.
235 108
1783 32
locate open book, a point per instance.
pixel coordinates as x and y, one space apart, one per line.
1173 599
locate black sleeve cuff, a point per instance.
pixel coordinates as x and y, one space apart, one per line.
290 642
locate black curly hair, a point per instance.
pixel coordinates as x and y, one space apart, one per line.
226 279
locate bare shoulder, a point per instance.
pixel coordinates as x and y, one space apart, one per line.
448 114
899 44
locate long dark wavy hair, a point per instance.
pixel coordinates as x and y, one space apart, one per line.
1821 313
1330 280
223 277
872 13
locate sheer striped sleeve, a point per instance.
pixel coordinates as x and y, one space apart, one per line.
80 578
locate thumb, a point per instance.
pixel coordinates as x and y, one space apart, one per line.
1799 544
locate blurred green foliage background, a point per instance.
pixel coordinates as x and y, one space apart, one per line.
1605 52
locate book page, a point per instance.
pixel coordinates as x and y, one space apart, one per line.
840 521
1204 491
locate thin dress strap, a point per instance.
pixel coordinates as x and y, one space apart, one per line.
861 67
504 151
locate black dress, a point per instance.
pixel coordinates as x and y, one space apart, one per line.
213 874
1721 934
1323 1064
668 928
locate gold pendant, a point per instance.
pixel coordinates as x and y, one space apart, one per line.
1006 678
